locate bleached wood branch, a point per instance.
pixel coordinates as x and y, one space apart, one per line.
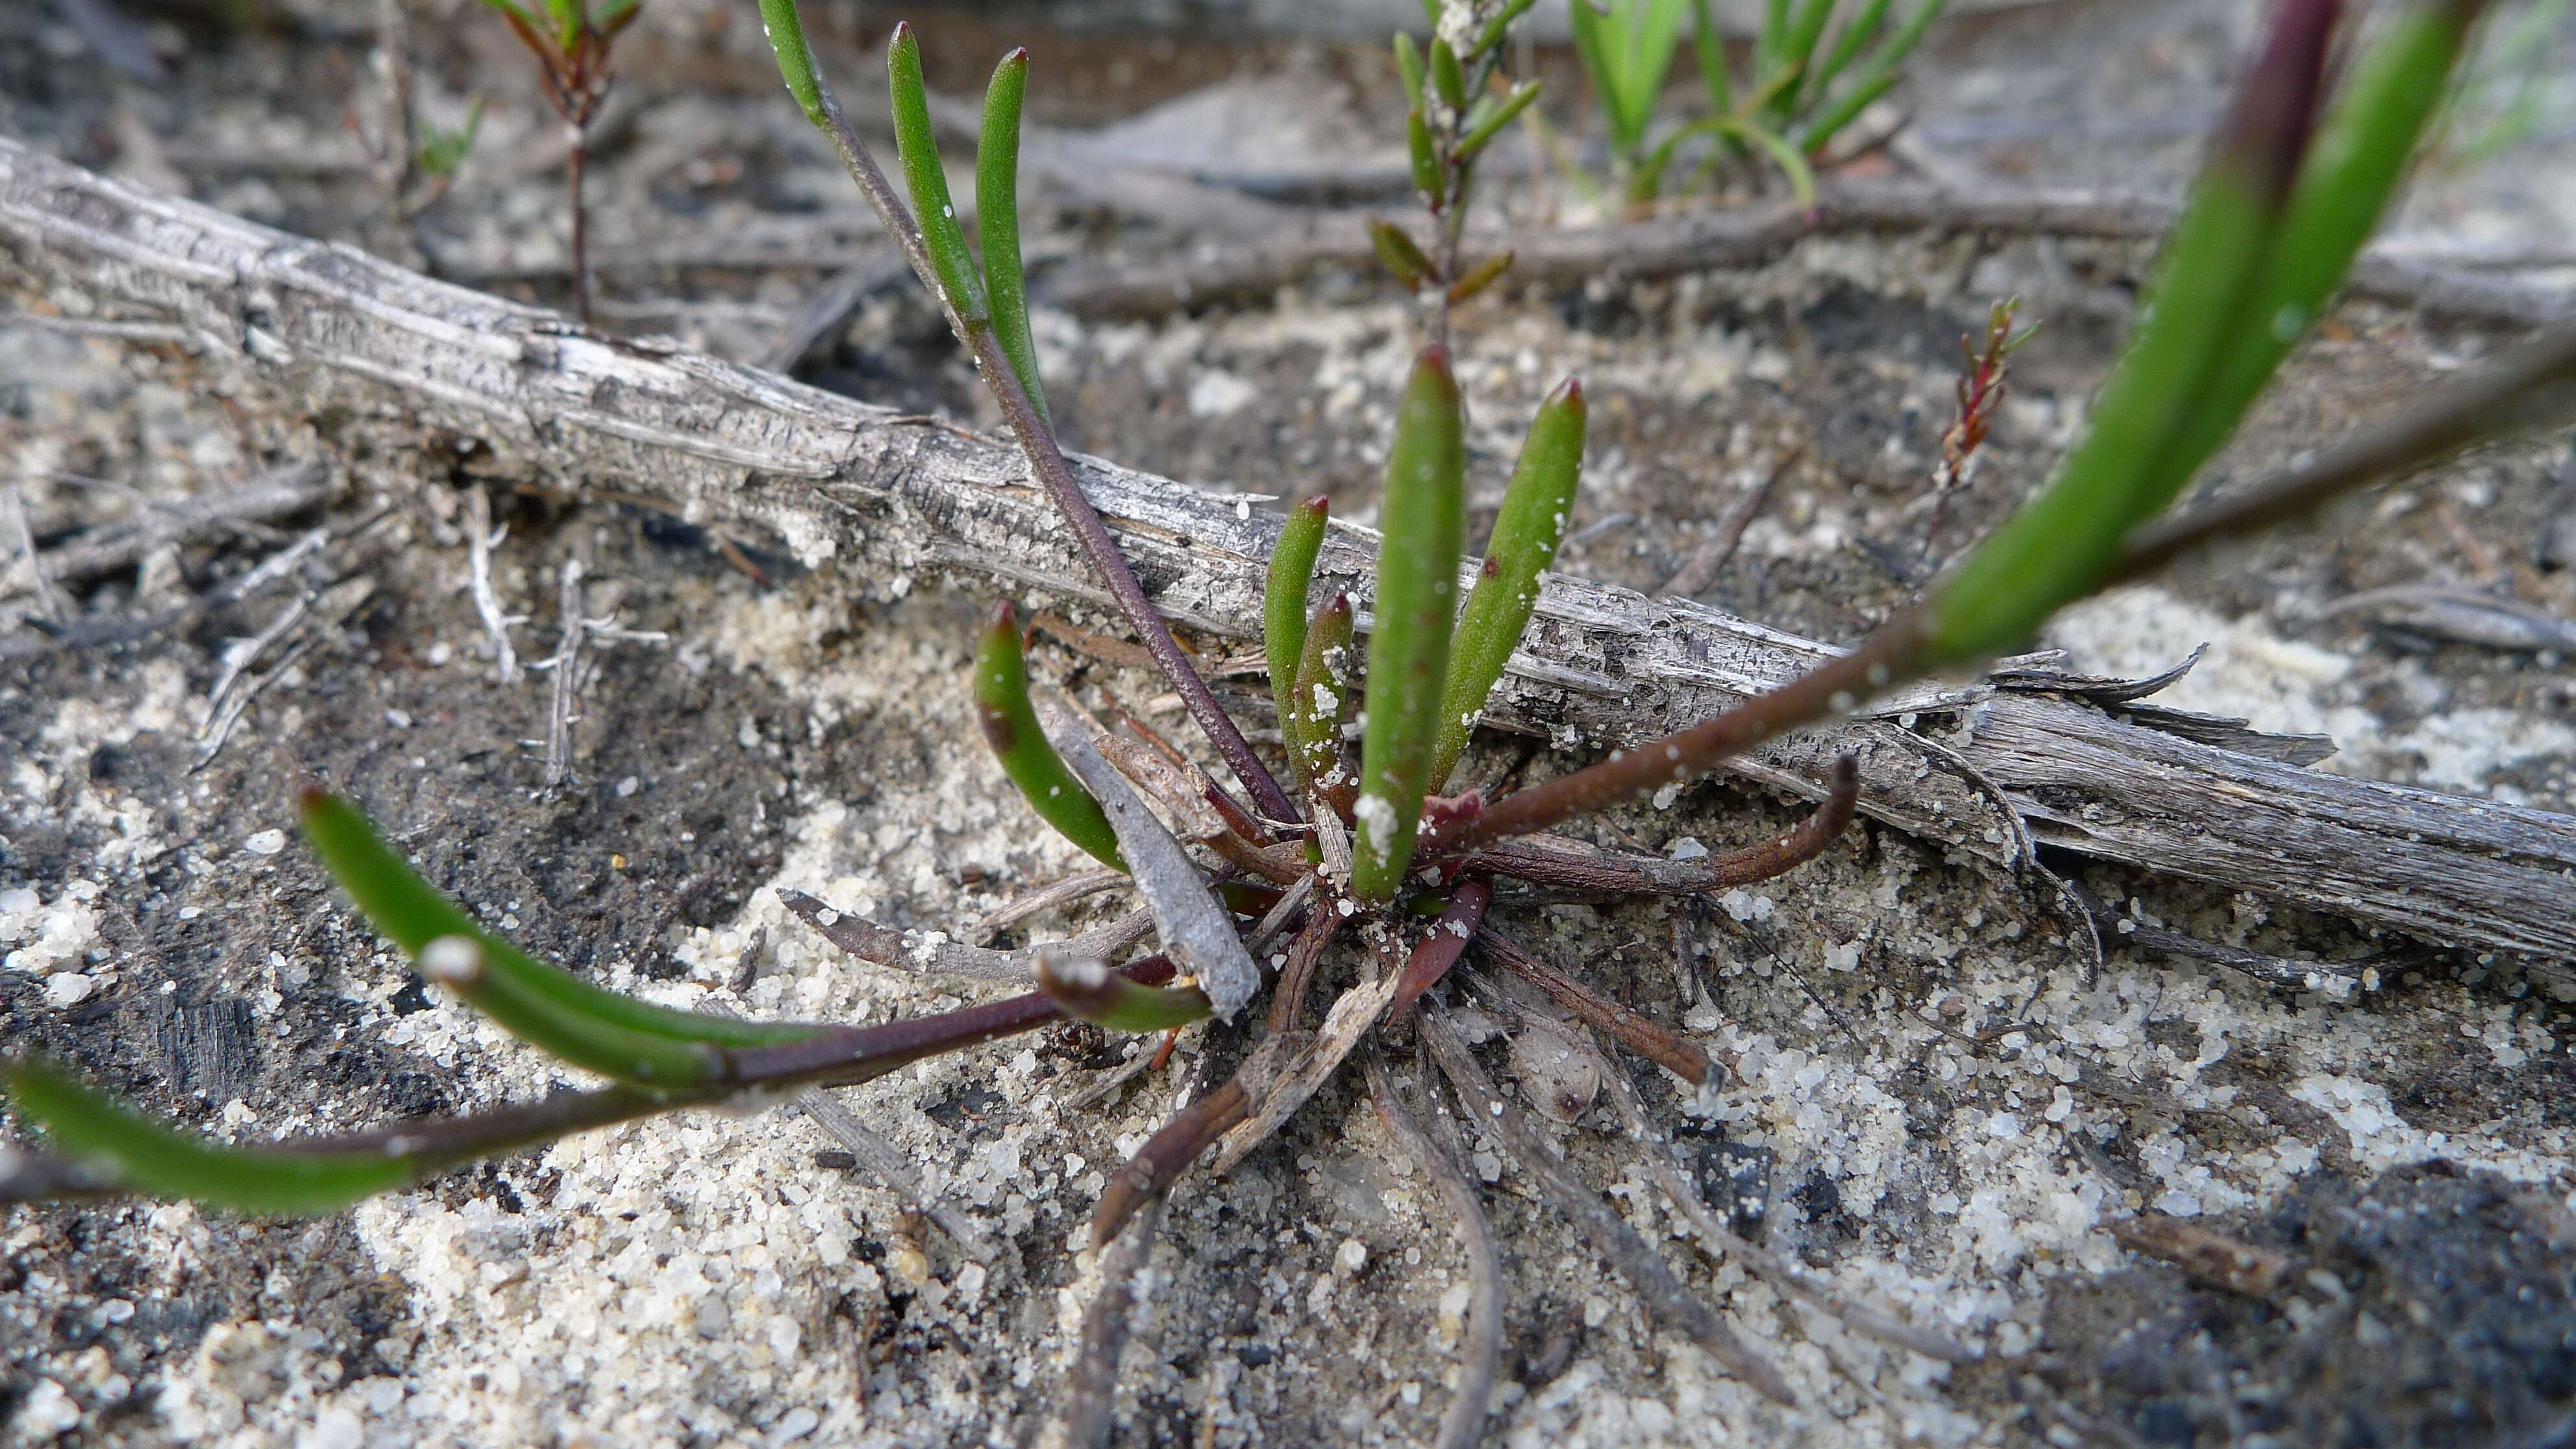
320 327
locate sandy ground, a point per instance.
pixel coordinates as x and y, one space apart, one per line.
1938 1107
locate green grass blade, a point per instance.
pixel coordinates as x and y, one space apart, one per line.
2370 132
1011 728
1422 518
1771 41
1798 51
149 1158
1792 164
1875 77
2052 550
1847 48
997 221
1654 38
1310 713
918 149
1526 533
1710 47
1283 594
785 30
1089 991
1592 46
615 1035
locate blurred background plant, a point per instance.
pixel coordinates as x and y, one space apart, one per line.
571 43
1796 95
2513 91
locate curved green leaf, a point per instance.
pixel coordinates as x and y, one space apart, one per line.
1283 595
785 30
918 149
144 1156
2370 132
1310 713
1526 534
1089 991
2050 551
543 1004
1421 519
1011 728
997 221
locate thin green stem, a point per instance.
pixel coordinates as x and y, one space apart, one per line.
1037 441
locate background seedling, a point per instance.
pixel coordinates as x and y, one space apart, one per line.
571 42
1798 95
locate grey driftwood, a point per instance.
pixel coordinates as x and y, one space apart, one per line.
314 325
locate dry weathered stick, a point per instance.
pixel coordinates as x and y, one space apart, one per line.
1749 236
1669 1301
329 331
272 495
1480 1348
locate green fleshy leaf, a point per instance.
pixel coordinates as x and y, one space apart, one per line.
1491 125
143 1156
1448 81
1310 713
997 221
1408 68
918 149
1011 728
1089 991
1426 159
1421 518
1527 531
1500 25
1400 254
1480 276
542 1004
2369 134
2052 550
1283 594
785 30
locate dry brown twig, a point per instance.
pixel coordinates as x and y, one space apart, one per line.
1750 236
1668 1301
157 524
1710 559
1480 1347
1723 1242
